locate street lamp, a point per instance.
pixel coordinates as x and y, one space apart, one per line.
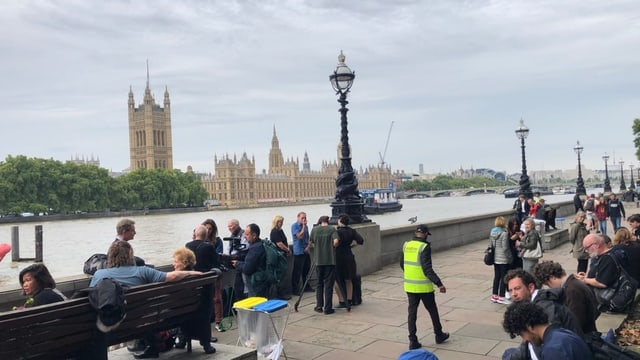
623 187
347 200
525 185
580 190
632 186
607 183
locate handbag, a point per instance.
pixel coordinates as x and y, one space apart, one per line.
618 297
490 254
533 254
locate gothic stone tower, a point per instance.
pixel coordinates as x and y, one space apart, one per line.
150 132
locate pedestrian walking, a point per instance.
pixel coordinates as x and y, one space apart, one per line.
419 278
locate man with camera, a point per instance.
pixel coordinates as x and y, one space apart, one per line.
254 261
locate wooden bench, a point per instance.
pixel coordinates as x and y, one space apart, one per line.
55 330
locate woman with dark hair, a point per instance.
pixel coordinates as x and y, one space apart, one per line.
515 234
36 281
212 235
345 260
214 239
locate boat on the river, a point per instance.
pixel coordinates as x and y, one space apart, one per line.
380 201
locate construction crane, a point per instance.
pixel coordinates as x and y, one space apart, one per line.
383 155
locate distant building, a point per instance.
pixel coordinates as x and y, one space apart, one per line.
81 160
150 132
236 184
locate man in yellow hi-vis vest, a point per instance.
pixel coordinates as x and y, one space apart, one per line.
419 278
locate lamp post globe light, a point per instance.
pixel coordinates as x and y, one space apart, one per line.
580 190
525 185
632 186
347 200
623 187
607 183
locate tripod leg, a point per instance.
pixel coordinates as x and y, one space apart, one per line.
304 286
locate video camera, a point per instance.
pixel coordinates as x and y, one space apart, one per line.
237 250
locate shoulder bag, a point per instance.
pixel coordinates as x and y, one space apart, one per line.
490 254
535 253
618 297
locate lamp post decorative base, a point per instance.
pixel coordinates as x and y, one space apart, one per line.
355 210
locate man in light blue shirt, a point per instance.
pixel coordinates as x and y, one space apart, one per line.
301 258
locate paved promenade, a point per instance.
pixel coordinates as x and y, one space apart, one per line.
377 329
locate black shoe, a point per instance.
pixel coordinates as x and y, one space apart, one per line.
148 354
317 309
341 305
137 346
208 349
414 345
329 311
213 339
442 338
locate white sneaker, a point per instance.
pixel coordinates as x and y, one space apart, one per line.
219 327
504 301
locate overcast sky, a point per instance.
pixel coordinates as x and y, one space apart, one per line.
454 76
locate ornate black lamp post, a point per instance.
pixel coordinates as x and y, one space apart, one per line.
607 183
525 185
623 187
347 199
580 190
632 186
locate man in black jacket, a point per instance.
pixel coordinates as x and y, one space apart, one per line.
525 287
254 261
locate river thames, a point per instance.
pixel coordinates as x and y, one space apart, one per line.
67 244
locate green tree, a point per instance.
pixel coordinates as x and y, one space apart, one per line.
636 134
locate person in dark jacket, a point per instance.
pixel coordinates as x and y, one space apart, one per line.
37 283
521 207
624 240
255 261
577 296
346 269
577 203
524 287
615 211
530 322
199 326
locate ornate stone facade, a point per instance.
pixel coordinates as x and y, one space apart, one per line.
150 132
236 184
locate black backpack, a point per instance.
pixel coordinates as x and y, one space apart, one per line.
604 350
589 205
107 299
95 263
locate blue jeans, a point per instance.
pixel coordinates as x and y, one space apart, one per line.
603 226
615 221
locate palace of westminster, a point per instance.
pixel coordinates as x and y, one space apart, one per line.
235 182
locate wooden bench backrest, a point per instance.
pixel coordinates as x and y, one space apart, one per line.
50 331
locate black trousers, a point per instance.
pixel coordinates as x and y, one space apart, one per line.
499 271
429 302
301 266
324 289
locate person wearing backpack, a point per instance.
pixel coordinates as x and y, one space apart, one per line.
255 262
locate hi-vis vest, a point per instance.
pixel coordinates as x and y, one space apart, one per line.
415 281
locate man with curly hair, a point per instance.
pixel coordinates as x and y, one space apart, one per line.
577 296
530 322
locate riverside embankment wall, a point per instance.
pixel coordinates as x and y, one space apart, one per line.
381 248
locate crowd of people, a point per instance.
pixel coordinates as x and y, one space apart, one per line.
559 321
333 260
